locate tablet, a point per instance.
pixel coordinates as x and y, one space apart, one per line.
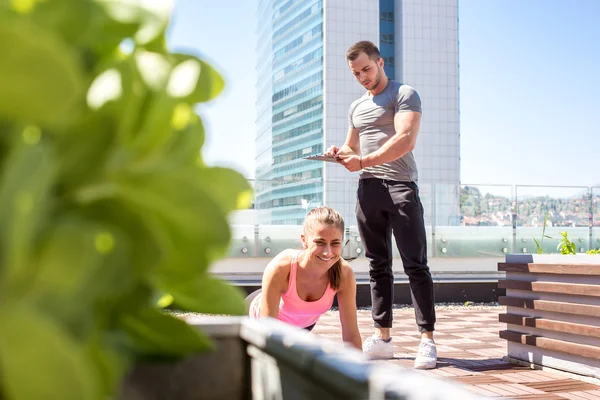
322 158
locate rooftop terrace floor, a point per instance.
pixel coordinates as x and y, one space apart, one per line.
470 352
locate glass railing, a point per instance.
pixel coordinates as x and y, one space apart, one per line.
595 201
564 209
461 220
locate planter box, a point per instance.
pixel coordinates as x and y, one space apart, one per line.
270 360
553 311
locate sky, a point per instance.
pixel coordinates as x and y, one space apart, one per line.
529 87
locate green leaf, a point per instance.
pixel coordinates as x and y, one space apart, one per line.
227 192
68 18
143 252
164 301
110 364
236 194
39 360
192 87
155 131
153 332
185 145
179 208
69 283
40 79
204 294
119 97
24 202
83 156
153 16
538 246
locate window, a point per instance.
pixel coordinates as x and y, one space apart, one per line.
387 16
387 38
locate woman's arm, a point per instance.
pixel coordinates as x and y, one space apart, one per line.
346 296
275 283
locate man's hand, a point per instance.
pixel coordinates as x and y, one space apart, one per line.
332 151
351 162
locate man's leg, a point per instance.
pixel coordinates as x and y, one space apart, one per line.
409 230
375 232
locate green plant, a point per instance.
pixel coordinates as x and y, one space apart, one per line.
566 245
540 245
593 251
105 202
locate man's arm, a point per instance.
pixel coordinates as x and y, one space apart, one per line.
352 144
350 147
406 125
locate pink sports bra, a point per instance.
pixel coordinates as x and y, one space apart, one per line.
292 309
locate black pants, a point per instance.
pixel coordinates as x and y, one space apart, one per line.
384 207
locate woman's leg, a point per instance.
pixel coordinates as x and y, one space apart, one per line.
251 297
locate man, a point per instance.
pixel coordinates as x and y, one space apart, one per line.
384 124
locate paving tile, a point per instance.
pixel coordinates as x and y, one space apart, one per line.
561 385
588 394
470 353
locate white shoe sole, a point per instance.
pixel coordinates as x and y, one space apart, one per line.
426 366
379 356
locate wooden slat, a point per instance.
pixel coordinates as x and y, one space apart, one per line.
553 306
478 379
561 386
551 325
551 287
542 342
543 396
567 269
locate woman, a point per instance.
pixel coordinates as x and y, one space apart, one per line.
299 286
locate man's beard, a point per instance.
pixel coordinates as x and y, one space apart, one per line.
377 80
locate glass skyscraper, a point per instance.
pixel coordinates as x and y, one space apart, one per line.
304 91
290 109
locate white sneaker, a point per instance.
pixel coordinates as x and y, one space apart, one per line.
376 349
427 357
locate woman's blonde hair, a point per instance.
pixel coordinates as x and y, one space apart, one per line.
329 217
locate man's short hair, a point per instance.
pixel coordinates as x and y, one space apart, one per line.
363 47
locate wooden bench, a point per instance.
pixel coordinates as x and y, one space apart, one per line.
553 314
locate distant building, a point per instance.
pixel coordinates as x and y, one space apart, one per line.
304 90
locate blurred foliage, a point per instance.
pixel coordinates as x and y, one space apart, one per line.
105 202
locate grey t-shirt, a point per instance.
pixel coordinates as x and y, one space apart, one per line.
373 116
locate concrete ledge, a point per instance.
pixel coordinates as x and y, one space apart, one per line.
311 367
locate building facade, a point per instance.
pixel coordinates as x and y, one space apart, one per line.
305 89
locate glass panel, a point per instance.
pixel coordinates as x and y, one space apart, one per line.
447 210
353 248
471 220
427 199
273 239
242 241
482 227
595 217
242 224
564 208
